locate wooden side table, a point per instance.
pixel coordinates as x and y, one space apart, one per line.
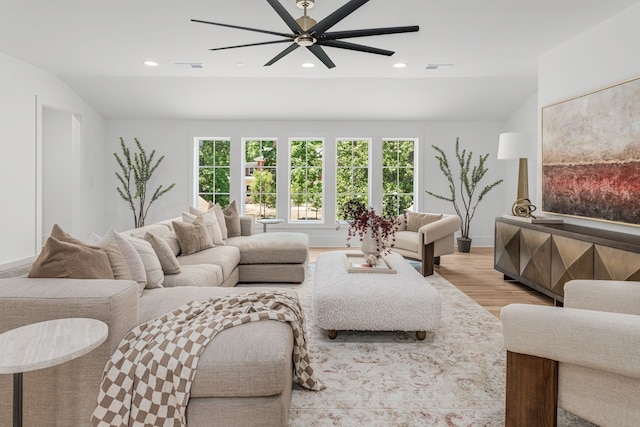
45 344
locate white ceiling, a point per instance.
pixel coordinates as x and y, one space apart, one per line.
97 48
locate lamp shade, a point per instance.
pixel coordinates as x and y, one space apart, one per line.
517 145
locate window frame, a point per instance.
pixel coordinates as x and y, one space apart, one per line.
290 219
415 168
198 167
243 166
369 142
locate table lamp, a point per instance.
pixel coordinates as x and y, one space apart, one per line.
521 146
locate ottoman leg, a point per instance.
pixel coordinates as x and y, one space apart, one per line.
421 335
332 334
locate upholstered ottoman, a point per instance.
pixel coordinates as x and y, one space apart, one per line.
400 301
279 257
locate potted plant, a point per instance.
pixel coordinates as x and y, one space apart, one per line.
468 178
139 168
377 234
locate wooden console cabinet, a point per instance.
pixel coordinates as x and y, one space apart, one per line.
546 256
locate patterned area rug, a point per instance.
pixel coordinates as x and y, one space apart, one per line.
453 378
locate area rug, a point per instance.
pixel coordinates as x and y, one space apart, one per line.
455 377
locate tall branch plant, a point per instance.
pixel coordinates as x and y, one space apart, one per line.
466 183
138 168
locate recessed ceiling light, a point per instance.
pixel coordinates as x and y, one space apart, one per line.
439 66
151 63
308 65
399 65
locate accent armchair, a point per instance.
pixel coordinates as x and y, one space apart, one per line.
583 357
426 237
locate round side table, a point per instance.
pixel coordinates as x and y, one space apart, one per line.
45 344
267 221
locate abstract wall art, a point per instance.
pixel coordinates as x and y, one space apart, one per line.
591 155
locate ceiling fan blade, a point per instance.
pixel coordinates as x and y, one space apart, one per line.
337 16
321 55
368 32
286 17
250 44
282 54
353 46
274 33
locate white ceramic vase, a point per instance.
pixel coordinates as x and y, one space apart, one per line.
369 245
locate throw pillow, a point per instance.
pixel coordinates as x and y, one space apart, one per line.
193 237
123 257
152 267
417 220
59 259
167 258
217 210
210 220
232 219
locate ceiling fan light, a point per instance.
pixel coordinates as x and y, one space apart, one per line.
305 40
305 3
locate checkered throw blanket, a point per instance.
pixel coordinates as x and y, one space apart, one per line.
147 381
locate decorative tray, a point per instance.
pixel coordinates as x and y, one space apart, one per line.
354 263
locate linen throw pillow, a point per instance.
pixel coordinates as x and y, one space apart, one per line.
193 237
167 258
152 267
417 220
210 220
217 210
60 259
123 257
232 220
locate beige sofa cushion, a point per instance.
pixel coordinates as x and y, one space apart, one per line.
226 257
415 220
165 254
193 237
253 359
123 257
272 248
195 275
152 267
210 219
232 220
406 240
71 260
161 230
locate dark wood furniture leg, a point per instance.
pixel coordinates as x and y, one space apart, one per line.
532 391
427 259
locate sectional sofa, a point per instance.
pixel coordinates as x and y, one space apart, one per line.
244 376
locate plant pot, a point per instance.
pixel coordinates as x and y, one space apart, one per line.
464 245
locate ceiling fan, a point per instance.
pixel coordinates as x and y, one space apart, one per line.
312 35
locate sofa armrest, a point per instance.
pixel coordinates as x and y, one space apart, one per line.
439 229
603 295
593 339
247 226
72 387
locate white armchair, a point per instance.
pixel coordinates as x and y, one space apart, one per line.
583 357
426 237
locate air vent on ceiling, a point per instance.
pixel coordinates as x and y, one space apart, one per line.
192 65
439 66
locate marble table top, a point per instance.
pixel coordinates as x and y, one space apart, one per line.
44 344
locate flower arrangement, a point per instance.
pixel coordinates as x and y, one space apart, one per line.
363 221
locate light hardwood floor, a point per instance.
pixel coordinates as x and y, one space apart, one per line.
473 274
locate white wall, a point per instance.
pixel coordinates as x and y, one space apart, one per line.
600 57
175 140
20 84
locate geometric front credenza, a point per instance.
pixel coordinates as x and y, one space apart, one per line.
546 256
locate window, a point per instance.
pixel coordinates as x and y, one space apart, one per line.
214 170
352 173
305 190
260 173
397 175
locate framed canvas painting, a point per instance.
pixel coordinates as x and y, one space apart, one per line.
591 155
